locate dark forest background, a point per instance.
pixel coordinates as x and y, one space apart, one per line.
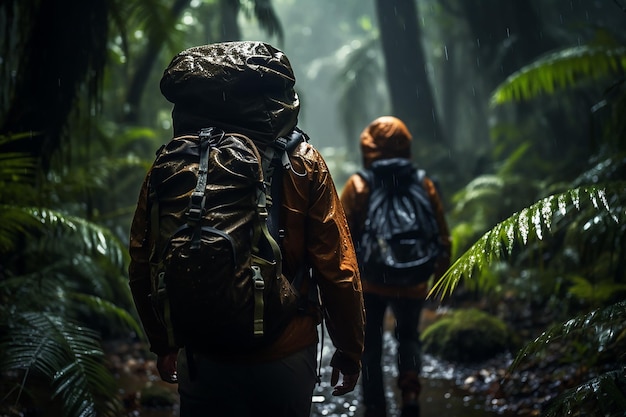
517 108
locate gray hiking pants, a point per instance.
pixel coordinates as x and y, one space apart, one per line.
222 389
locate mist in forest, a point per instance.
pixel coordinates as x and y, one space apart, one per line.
469 49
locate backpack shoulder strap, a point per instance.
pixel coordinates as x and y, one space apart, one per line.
275 162
367 175
420 174
277 156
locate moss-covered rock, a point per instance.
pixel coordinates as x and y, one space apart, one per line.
468 335
157 396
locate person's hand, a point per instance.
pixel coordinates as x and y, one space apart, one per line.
166 365
347 384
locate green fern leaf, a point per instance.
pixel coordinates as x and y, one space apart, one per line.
604 326
66 354
603 394
530 225
560 70
109 310
88 237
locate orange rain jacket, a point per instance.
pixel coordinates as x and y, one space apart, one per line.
316 230
388 137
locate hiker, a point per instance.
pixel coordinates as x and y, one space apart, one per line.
247 89
386 146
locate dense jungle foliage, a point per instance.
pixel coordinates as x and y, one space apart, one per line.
516 107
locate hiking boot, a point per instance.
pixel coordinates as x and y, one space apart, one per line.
410 410
375 412
410 403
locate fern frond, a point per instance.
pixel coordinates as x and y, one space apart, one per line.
67 355
16 173
73 287
532 224
108 310
86 237
560 70
602 395
15 223
477 189
16 167
603 327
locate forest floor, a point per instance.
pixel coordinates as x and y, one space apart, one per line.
481 389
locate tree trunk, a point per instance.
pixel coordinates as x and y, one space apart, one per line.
55 49
409 87
510 34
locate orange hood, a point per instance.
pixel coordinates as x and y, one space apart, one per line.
385 137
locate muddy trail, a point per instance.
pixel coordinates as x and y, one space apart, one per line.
448 389
445 389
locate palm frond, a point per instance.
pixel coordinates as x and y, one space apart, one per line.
155 18
264 13
357 81
268 19
559 70
67 355
532 224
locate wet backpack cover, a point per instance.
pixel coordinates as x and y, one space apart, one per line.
400 242
216 269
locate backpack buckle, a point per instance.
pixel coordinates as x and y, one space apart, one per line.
281 143
196 206
259 284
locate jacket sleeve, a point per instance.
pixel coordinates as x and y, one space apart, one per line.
139 274
354 199
443 263
331 254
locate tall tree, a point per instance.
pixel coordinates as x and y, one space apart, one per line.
411 96
51 51
508 34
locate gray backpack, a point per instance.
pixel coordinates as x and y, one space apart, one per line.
400 242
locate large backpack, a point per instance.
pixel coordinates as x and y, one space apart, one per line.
217 281
400 241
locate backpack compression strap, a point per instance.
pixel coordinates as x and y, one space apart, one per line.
159 296
198 196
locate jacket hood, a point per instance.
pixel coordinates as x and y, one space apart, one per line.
245 87
384 138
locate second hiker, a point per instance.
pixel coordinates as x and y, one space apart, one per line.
397 221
